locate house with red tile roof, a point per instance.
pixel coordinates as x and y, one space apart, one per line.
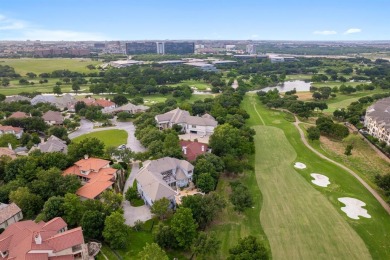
19 114
96 176
27 240
106 105
191 150
7 129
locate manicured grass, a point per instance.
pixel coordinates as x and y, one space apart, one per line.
113 137
298 77
304 221
230 225
137 240
343 101
38 66
200 85
334 84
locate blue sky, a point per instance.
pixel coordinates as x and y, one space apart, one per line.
194 19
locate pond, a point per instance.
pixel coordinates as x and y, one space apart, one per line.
299 85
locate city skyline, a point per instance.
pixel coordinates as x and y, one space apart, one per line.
194 20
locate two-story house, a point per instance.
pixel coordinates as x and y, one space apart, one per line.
96 176
160 178
7 129
203 125
51 240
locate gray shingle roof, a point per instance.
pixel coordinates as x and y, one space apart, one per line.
53 144
380 112
178 116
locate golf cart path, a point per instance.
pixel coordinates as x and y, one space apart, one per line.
368 187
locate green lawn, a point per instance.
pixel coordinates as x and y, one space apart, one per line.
113 137
135 243
342 101
301 220
38 66
200 85
298 77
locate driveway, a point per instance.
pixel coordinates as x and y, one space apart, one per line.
132 214
86 127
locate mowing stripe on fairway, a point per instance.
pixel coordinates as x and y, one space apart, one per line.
299 221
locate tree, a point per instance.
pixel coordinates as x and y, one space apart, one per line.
131 194
79 105
229 140
75 87
348 150
313 133
205 182
112 201
205 245
248 248
163 236
204 208
172 146
161 208
89 146
59 132
30 203
184 227
120 100
115 230
6 139
31 75
57 90
241 198
152 252
73 209
5 82
53 207
92 223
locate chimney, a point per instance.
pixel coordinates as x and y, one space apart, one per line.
38 238
10 146
202 148
86 156
184 150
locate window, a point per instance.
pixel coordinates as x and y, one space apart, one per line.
193 126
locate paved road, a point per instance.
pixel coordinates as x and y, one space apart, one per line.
86 127
132 214
368 187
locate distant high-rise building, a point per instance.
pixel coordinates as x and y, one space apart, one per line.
230 47
160 48
99 45
251 49
133 48
179 47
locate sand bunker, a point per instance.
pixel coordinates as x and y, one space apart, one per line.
353 208
300 165
320 180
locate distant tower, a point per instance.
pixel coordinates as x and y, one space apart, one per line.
160 48
251 49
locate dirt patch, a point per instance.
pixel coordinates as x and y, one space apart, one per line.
304 96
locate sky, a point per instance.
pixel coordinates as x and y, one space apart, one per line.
316 20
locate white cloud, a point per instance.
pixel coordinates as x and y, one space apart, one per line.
326 32
352 30
22 30
10 24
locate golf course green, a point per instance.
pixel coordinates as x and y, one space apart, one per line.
302 220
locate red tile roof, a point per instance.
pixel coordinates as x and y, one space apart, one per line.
19 239
55 224
10 128
193 149
99 178
18 114
98 102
